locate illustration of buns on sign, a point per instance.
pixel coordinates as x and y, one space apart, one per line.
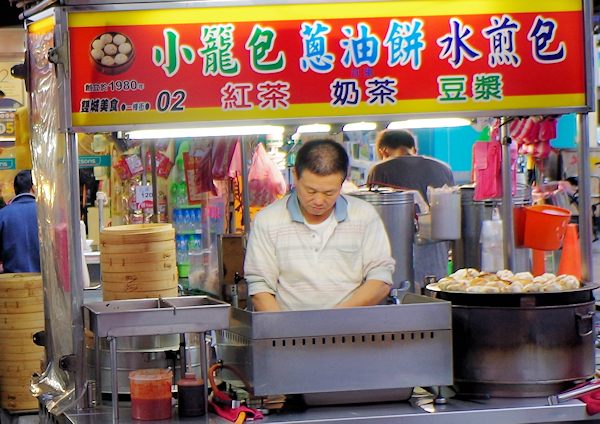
112 53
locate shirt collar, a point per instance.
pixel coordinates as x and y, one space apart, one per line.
340 209
23 195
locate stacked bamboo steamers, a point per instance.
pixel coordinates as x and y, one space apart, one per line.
138 261
21 316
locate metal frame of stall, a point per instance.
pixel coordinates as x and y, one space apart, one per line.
51 56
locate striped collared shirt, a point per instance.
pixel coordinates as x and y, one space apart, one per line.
287 259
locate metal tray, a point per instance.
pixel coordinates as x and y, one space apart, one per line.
145 317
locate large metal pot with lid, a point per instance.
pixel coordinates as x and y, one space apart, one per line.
397 211
521 344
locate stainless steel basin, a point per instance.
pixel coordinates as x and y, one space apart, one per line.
144 317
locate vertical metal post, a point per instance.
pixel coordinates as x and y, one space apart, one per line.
76 274
155 217
97 359
112 341
204 368
507 206
246 162
585 204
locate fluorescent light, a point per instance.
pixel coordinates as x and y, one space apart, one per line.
360 126
429 123
205 132
313 128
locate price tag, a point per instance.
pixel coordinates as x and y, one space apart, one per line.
143 197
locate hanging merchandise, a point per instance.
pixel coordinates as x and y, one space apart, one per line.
533 134
265 181
198 170
487 166
223 149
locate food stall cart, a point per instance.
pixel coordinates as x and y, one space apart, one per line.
201 64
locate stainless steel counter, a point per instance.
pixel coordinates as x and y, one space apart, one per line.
492 411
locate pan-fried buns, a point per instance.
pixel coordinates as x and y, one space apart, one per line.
471 280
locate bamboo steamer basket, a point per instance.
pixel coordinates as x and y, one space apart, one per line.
144 257
127 249
108 295
18 398
135 286
136 234
125 267
21 316
169 277
138 261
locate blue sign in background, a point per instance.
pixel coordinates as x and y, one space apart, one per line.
7 164
91 161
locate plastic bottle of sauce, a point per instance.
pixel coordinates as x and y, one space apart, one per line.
190 396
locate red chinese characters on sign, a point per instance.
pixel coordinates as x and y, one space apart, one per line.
347 64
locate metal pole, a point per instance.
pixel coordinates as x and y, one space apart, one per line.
507 206
76 275
246 162
114 384
585 204
155 217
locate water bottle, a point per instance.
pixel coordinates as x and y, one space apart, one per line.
176 219
492 251
197 220
181 247
186 221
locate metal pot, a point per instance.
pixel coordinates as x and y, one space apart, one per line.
397 211
521 344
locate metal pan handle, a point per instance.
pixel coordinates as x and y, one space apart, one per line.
585 324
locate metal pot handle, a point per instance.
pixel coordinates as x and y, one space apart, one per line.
585 324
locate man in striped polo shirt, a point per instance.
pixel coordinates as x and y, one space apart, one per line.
316 248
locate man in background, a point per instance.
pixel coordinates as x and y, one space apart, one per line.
403 168
19 240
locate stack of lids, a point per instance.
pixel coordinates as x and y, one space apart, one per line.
21 316
138 261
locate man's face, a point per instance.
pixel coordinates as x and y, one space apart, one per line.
317 194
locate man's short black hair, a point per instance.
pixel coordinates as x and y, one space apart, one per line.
23 182
395 139
322 157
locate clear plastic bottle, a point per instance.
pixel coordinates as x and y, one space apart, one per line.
181 246
492 250
197 220
186 221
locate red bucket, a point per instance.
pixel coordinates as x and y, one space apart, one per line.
545 226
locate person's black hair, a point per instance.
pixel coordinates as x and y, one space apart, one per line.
23 182
322 157
395 139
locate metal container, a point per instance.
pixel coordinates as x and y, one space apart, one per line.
135 353
521 344
467 250
397 211
360 354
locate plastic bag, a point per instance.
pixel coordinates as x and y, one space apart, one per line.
487 167
198 171
223 149
265 182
